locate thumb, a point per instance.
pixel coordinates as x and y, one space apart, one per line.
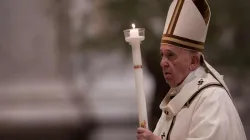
141 130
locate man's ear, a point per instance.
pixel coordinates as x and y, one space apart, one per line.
194 62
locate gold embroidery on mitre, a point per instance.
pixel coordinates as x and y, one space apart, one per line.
175 16
182 42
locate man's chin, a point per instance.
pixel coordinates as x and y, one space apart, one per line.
171 84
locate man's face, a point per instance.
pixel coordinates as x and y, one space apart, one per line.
175 62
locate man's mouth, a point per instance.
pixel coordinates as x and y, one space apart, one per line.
167 73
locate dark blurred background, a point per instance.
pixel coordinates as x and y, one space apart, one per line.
66 72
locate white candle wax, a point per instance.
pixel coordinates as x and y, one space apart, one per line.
134 32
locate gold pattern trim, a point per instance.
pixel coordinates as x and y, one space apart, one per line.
201 47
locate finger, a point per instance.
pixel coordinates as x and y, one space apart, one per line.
141 130
141 136
140 139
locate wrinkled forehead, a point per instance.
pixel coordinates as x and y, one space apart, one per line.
173 48
169 47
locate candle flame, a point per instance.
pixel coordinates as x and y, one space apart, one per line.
133 25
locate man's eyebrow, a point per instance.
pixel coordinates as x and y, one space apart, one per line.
170 51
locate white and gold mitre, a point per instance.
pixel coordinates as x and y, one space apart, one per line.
187 24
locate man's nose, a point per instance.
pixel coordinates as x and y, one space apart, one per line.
164 62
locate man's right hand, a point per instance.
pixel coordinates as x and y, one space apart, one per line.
145 134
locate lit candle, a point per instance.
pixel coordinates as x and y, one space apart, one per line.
134 32
132 36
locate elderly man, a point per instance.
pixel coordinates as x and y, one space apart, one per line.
198 105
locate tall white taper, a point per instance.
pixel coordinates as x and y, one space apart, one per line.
134 37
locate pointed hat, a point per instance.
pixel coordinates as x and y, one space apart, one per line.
187 24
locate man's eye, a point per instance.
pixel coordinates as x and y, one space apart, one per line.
171 56
161 54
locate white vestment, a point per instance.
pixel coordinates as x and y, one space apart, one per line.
199 109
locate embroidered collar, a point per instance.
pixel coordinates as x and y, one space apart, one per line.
184 91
